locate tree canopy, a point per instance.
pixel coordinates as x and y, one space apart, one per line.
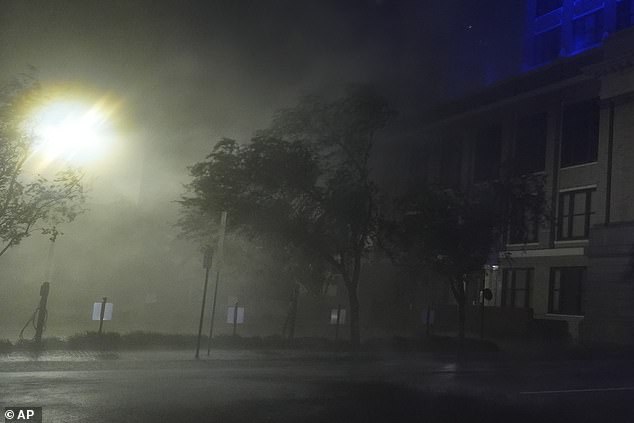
455 233
29 202
304 181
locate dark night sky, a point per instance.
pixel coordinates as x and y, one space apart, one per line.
190 72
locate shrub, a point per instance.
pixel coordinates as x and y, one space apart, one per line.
5 346
94 341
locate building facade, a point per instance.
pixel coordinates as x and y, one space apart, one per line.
572 121
564 28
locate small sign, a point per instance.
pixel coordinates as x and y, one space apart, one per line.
342 316
96 311
231 313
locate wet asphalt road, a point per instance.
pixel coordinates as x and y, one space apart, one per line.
315 387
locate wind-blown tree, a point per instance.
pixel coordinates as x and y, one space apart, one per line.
454 233
29 203
305 181
293 271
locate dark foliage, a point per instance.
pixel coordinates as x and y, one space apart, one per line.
29 202
304 182
455 233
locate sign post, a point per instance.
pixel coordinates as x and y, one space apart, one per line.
487 295
337 318
338 322
235 316
102 311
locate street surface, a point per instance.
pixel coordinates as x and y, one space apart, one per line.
234 386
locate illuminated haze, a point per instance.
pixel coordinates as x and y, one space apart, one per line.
185 78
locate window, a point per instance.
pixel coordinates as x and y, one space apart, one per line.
566 290
530 145
450 163
587 30
524 227
624 14
547 46
580 133
487 154
575 210
516 288
546 6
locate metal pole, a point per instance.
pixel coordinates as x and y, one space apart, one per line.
213 314
482 306
338 321
41 314
103 311
427 321
235 318
202 307
482 316
221 244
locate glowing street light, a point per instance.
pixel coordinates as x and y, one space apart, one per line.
72 131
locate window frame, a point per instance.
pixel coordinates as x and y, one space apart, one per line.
510 286
588 30
568 236
530 234
579 311
547 46
570 158
542 9
529 122
624 14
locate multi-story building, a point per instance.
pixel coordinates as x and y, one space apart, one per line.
570 119
564 28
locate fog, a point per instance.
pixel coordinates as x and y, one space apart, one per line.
186 76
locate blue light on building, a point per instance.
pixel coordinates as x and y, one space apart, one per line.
564 28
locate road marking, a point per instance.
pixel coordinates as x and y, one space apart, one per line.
572 391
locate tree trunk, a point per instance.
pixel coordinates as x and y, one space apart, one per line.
461 322
353 296
355 333
458 288
293 313
288 331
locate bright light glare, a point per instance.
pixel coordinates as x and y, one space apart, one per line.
72 132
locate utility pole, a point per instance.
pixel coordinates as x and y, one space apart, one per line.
207 264
221 244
